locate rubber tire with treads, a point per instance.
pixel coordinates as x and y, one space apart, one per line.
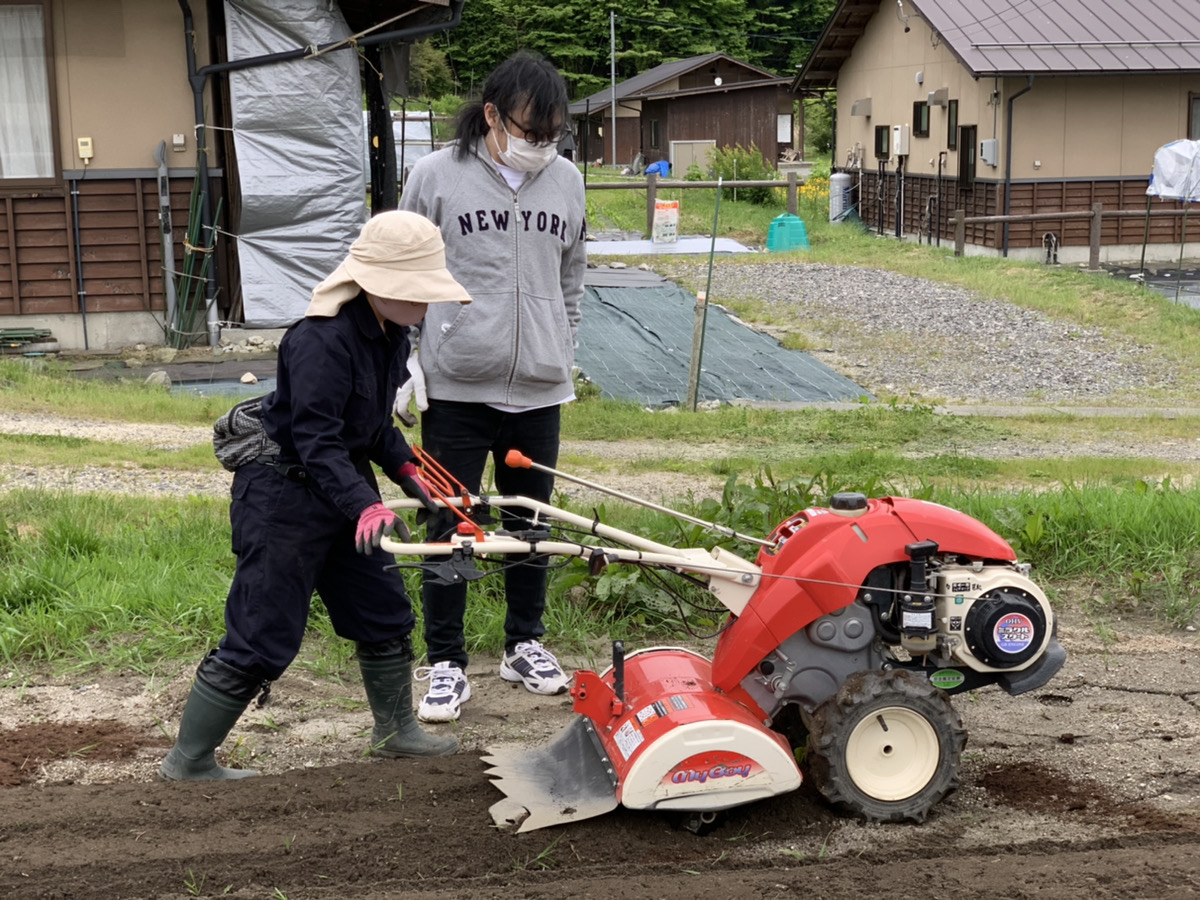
886 746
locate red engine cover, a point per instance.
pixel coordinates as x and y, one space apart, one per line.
822 558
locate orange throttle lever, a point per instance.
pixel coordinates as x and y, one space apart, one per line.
515 459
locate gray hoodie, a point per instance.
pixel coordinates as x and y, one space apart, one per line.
521 256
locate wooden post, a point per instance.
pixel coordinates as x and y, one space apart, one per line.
651 197
793 205
697 342
1094 237
960 231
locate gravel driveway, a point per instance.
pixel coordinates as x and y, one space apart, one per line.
902 335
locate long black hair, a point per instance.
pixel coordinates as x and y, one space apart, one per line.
523 82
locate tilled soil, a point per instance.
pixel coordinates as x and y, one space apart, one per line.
1086 788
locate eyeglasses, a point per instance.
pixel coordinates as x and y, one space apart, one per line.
531 138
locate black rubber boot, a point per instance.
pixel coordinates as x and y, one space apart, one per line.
207 719
388 683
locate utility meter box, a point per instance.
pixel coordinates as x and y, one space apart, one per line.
989 152
900 135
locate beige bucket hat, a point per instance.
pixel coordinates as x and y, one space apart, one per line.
398 255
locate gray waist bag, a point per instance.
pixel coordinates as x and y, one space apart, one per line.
239 437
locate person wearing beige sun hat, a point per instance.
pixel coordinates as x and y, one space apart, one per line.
309 516
398 256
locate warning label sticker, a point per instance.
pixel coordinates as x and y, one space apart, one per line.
628 737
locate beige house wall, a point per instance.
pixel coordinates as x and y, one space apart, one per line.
121 78
884 66
1065 127
1096 126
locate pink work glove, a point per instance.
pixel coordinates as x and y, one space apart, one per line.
373 523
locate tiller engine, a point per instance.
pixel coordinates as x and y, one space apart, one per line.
846 636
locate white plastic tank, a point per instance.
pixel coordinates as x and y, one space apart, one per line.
839 196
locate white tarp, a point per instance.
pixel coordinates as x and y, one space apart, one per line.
1176 172
298 134
413 136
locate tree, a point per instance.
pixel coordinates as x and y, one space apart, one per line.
574 35
429 73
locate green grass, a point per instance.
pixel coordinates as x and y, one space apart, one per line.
35 385
625 210
99 581
137 584
59 450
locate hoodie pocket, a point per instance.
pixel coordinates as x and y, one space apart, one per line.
477 343
546 352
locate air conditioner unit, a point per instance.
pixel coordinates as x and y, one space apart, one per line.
861 107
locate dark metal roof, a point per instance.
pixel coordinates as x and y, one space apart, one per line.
833 47
642 85
1018 37
1029 37
713 89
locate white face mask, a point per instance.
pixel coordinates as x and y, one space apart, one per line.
524 156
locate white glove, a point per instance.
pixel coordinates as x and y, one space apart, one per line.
412 389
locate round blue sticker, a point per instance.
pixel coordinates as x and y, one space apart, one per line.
1013 633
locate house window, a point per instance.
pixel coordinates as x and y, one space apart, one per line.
920 119
883 141
966 155
26 129
1194 117
654 133
952 125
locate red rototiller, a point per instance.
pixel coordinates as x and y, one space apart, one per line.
847 634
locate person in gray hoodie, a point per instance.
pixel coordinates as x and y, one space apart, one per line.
496 371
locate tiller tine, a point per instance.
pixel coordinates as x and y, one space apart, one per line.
566 780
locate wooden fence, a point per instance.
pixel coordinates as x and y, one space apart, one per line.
960 220
652 185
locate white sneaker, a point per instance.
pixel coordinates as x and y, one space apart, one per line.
535 666
448 691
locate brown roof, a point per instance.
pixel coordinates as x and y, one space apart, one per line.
1022 37
644 85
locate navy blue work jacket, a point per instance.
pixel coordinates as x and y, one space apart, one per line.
331 410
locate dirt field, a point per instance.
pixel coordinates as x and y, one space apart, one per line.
1087 788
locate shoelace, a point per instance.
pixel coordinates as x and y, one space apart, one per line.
441 681
538 655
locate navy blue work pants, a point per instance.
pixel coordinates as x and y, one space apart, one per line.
461 437
289 540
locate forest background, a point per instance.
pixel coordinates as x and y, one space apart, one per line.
577 37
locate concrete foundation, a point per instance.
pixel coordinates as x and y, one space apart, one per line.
106 332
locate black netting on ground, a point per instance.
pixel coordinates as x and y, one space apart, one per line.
635 343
